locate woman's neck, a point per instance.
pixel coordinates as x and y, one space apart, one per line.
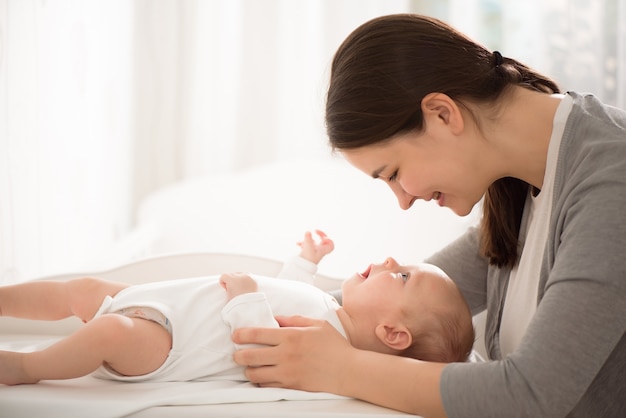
521 134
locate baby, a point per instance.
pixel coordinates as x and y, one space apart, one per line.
179 330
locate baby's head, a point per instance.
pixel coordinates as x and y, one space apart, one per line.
413 311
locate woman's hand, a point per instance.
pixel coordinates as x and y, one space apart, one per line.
309 354
306 354
237 284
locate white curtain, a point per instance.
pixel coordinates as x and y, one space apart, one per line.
65 123
579 43
226 85
104 101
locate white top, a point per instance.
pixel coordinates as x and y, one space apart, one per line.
521 295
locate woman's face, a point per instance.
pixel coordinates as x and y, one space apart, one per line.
418 166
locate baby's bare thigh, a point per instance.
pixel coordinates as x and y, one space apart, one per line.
143 347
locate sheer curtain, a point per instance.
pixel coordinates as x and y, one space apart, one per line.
227 85
105 101
242 83
581 44
65 130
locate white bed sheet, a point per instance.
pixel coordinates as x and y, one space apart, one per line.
96 398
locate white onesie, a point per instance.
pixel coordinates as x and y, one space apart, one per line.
196 312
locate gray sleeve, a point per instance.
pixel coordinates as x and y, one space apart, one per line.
571 349
462 262
565 348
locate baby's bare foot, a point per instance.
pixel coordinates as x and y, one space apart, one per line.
11 370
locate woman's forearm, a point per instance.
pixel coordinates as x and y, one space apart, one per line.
395 382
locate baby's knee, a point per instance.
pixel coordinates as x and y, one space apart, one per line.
84 285
86 295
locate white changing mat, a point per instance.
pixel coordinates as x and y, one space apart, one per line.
97 398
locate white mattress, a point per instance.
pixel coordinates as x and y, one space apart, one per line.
95 398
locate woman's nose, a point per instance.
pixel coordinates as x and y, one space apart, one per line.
405 200
390 262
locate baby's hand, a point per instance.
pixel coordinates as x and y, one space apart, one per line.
237 284
315 251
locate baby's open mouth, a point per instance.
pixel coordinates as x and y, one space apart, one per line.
366 273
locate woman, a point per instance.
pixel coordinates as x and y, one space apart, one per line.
436 116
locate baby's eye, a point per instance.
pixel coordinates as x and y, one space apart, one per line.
404 276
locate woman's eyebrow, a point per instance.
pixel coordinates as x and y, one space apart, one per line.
376 173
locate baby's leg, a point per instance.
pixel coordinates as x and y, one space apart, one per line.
131 346
53 300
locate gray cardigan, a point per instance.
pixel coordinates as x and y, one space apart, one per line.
572 359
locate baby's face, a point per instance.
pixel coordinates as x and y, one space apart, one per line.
383 290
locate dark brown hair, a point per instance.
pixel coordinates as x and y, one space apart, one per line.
448 337
383 70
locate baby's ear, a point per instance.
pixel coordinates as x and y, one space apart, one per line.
396 337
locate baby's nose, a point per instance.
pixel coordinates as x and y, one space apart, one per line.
391 262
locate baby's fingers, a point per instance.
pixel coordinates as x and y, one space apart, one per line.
308 239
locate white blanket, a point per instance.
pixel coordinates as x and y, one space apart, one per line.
97 398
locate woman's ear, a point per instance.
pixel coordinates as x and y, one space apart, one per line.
396 337
440 109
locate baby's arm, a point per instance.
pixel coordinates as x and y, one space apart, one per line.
302 268
314 251
246 306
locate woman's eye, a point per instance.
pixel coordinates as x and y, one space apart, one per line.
393 177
